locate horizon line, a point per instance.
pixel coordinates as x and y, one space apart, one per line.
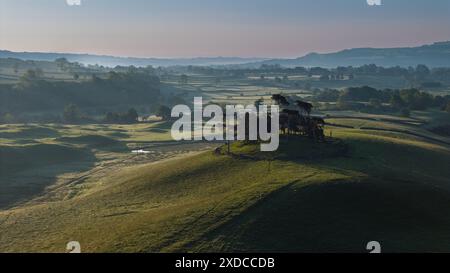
216 56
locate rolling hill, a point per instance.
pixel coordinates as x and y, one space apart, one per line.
306 197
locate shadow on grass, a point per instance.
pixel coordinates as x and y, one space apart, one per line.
294 148
340 217
25 171
161 127
97 142
31 132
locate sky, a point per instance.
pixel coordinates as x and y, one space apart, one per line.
206 28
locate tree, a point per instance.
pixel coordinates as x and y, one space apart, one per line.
422 72
183 79
71 113
30 77
439 101
259 102
342 103
375 103
62 63
405 112
7 118
33 74
175 100
114 76
132 115
364 93
16 68
112 117
308 86
280 100
415 99
447 109
396 101
95 78
305 107
164 112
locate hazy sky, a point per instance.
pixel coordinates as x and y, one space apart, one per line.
248 28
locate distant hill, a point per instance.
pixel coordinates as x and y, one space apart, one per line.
113 61
434 55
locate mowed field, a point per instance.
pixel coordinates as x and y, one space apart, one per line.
389 185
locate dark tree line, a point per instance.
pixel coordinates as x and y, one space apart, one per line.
412 99
420 75
131 116
33 94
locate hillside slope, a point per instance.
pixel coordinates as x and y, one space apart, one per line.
383 188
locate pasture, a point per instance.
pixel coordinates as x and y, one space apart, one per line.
368 185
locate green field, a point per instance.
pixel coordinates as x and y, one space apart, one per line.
311 197
38 160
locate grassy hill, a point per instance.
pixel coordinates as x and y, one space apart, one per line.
306 197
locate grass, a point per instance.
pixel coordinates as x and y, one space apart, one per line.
339 217
381 188
34 157
25 171
385 185
152 205
127 133
382 125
